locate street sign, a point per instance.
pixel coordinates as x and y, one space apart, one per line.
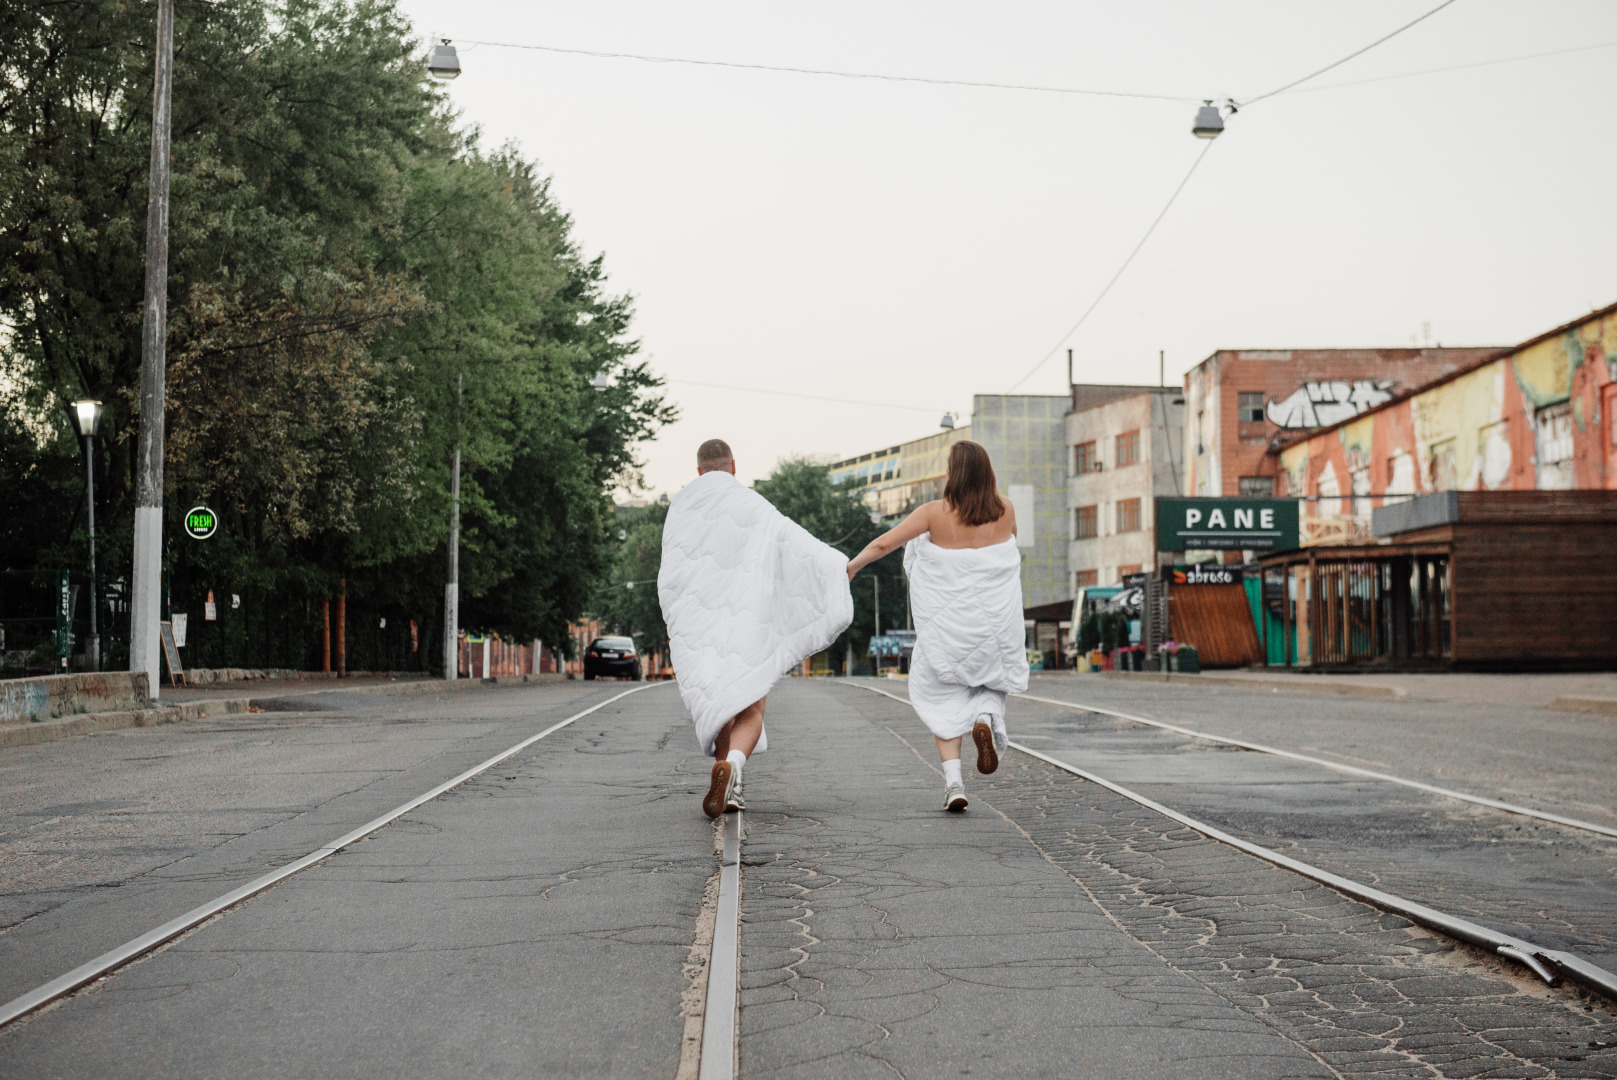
200 523
1226 524
1207 574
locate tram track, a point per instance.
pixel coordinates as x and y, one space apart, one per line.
110 961
1550 964
1336 766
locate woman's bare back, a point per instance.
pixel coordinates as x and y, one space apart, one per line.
948 531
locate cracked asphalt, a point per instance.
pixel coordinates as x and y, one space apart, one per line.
540 918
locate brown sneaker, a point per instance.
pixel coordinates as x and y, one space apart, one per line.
987 756
718 789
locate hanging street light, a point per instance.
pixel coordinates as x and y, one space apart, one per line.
444 64
1209 124
947 423
600 382
86 417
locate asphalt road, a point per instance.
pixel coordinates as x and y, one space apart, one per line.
1550 884
539 919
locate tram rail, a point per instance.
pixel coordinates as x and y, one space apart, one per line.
1550 965
1337 766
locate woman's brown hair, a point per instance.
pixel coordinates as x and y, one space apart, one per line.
970 489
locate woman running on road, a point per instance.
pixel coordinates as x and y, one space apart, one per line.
964 573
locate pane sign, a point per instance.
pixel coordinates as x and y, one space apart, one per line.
1226 524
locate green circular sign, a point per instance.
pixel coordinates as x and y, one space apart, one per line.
200 523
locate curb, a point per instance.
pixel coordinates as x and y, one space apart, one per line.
1282 685
1587 705
63 727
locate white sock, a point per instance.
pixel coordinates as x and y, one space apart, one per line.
951 773
736 759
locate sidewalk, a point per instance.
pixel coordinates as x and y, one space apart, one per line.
1594 692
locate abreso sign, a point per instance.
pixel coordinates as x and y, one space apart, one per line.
1226 524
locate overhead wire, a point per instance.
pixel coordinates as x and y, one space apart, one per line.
877 76
1108 287
1456 67
1192 171
1359 52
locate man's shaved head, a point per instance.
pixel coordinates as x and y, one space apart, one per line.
713 454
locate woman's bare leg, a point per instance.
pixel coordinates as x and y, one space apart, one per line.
948 749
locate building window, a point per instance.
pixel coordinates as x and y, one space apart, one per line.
1257 485
1440 467
1124 572
1086 522
1085 458
1128 449
1085 578
1250 408
1201 432
1128 515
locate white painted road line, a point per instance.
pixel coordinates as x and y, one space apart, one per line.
1351 770
129 950
1548 964
719 1014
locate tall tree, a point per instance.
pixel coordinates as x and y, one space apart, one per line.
356 289
836 514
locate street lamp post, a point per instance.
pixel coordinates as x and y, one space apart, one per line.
86 415
145 608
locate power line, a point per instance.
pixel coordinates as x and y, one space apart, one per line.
1164 211
806 397
838 74
1458 67
1102 295
1360 52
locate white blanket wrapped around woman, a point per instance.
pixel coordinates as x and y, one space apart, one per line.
746 593
969 640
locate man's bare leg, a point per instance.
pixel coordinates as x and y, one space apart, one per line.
746 727
739 737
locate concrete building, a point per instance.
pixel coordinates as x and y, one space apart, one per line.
871 473
1125 447
1241 402
899 478
1026 438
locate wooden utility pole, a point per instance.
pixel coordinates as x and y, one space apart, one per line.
145 641
342 628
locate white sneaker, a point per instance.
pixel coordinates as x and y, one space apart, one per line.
954 797
733 800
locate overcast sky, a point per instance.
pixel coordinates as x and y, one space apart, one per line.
914 244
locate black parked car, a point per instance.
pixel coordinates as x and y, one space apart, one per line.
612 656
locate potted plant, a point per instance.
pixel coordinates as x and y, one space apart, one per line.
1181 658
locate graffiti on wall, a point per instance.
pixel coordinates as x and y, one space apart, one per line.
1316 404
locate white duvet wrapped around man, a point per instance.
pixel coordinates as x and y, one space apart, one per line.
746 594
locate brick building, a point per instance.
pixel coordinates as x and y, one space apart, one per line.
1541 416
1241 402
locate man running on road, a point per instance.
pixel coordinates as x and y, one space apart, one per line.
746 594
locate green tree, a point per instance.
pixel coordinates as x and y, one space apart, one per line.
836 514
356 289
627 600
